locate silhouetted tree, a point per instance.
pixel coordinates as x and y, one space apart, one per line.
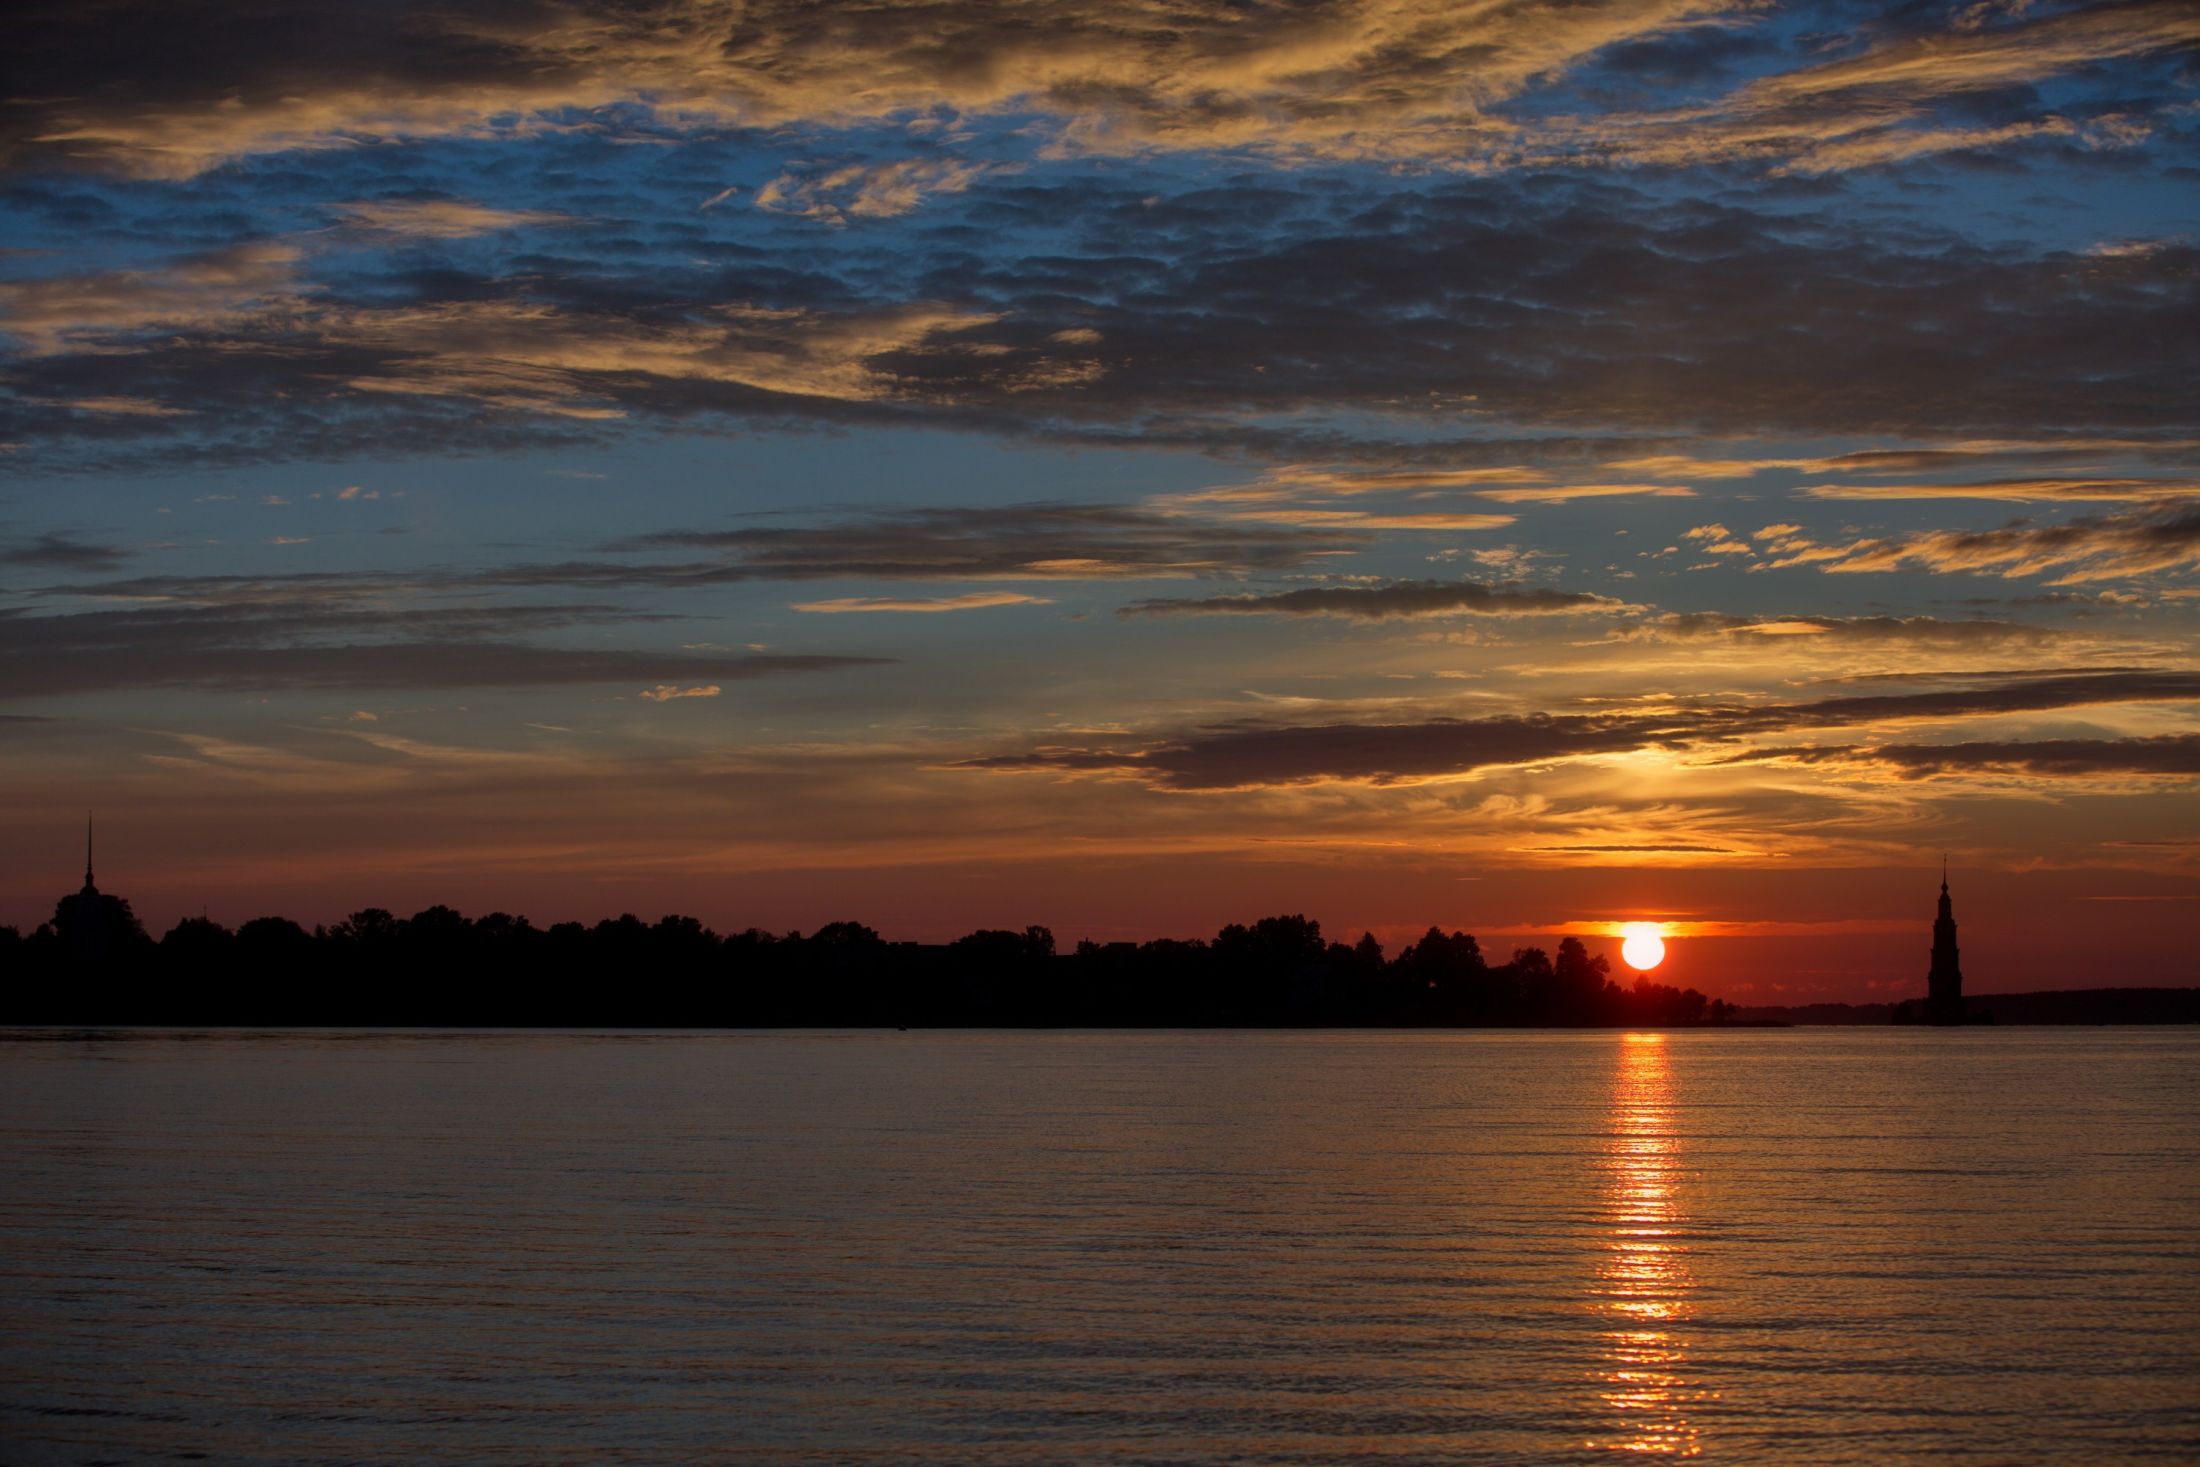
1577 984
439 966
276 941
370 932
1530 985
198 943
95 929
1442 979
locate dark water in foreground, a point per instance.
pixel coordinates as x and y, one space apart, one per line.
1800 1247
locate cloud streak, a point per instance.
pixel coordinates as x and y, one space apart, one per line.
65 553
1397 600
326 639
922 605
1388 79
1257 755
2096 548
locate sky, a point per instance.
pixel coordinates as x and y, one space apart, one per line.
1127 466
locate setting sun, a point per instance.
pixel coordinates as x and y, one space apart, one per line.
1642 945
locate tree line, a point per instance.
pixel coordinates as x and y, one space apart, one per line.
95 963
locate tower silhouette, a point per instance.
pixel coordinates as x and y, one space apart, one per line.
82 919
1944 984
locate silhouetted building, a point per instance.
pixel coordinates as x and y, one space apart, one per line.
94 927
1944 985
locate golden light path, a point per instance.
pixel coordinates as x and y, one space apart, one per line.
1643 1284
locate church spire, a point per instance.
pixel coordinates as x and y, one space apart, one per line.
1944 984
88 850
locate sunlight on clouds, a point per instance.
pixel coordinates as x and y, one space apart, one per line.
441 218
972 601
1354 519
2043 491
78 312
541 358
1561 493
1388 79
1717 539
879 191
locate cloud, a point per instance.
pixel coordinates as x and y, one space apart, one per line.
1246 755
2167 754
59 552
1027 542
379 665
1561 493
1636 849
441 218
1689 466
971 601
1716 539
536 358
129 407
666 692
59 313
2136 543
1379 356
1297 482
1972 56
1398 599
2048 491
869 191
1387 77
1357 519
326 636
128 88
1813 633
1899 97
1072 542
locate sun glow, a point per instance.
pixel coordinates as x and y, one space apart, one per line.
1642 945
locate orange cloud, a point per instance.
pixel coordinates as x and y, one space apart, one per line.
971 601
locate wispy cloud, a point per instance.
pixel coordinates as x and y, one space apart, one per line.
2105 547
328 635
869 191
2045 491
1069 542
441 218
1561 493
969 601
1386 80
1252 754
60 312
64 553
1395 600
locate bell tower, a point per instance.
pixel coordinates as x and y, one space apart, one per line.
1944 985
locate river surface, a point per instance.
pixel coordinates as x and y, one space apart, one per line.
1803 1246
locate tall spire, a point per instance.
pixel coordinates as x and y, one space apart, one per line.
1944 984
87 850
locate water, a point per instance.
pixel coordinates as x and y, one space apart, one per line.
1795 1246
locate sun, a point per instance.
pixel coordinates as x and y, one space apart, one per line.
1642 945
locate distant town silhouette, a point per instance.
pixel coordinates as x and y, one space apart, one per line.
95 963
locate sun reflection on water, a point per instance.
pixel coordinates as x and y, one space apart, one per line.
1643 1285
